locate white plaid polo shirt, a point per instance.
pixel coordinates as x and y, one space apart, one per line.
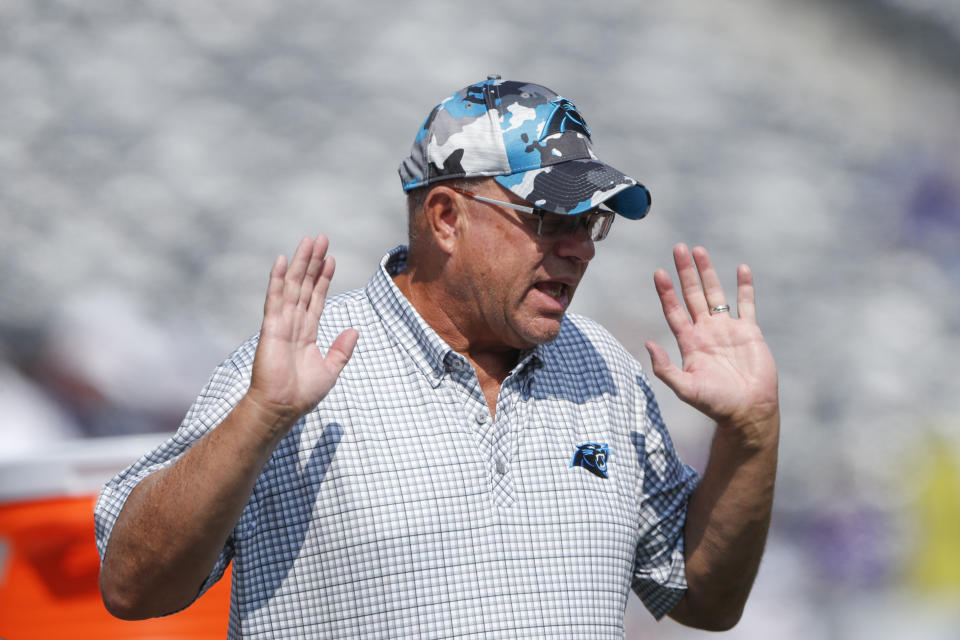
399 508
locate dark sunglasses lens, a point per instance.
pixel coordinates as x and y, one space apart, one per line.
601 227
598 225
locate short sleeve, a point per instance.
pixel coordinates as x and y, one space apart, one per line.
659 577
223 391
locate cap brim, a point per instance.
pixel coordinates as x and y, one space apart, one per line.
576 186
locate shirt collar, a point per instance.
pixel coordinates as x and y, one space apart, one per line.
402 322
432 355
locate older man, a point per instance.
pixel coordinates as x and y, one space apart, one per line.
487 463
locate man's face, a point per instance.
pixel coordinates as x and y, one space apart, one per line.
515 285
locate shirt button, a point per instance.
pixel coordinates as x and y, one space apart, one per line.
482 417
501 467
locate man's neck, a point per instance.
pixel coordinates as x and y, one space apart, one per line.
491 361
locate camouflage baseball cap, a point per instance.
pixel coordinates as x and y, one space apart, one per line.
530 140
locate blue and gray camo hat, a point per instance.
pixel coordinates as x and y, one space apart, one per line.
530 140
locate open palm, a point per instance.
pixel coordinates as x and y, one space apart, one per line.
290 373
728 372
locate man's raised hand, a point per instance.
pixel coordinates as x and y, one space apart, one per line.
728 372
290 372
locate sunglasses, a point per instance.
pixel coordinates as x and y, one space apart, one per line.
550 225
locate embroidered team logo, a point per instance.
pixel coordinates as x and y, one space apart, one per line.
592 456
564 117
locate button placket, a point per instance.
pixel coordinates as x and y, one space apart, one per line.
506 425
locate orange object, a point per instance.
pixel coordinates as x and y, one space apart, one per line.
48 581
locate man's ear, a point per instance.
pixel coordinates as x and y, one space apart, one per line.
444 216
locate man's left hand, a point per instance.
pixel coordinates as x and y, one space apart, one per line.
727 372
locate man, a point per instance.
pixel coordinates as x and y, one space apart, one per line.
487 464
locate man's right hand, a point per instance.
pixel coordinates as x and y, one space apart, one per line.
290 373
176 521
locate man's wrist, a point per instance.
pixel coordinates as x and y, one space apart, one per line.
756 430
268 420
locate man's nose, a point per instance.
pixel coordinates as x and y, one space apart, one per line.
577 245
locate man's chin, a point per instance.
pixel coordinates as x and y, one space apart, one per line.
544 331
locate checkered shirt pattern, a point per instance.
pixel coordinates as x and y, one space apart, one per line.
399 508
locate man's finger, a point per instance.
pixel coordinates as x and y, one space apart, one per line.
318 296
673 310
746 294
662 367
313 270
274 298
712 289
296 271
340 351
689 281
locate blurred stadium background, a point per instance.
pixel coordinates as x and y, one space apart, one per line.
156 156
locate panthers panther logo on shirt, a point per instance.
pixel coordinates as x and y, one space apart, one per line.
592 456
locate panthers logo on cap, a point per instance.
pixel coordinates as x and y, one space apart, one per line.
563 118
592 456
